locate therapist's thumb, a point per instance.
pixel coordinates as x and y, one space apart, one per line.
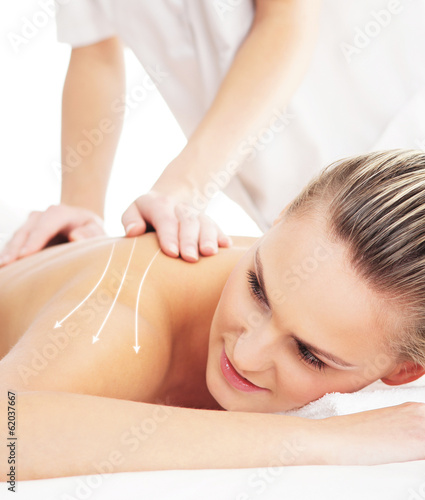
133 222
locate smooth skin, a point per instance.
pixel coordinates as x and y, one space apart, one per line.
163 407
266 71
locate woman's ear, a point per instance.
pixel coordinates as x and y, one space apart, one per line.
405 372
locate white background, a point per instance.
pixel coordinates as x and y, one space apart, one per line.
31 84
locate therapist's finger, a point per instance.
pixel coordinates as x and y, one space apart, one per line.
211 236
90 230
188 231
208 235
223 239
13 248
133 222
55 220
166 224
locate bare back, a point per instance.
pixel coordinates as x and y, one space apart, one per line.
69 320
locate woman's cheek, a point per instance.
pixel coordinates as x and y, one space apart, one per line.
298 382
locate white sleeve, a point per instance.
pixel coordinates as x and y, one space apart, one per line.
83 22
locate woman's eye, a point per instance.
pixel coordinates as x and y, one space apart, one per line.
310 358
255 288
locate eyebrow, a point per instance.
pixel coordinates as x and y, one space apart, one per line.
312 348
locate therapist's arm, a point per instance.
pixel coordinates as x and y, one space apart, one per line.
91 124
266 71
91 127
63 434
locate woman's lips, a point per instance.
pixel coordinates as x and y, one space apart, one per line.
233 377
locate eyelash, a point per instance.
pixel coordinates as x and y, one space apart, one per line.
255 288
309 358
303 352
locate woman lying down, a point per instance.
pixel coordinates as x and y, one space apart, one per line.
123 359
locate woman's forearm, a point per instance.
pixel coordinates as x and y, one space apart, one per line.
266 71
91 125
63 434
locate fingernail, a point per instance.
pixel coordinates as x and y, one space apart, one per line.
209 245
173 249
130 227
191 252
23 251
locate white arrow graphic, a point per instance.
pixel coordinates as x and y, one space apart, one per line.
59 323
96 337
137 347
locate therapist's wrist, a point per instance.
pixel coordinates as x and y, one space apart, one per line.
178 183
84 204
181 193
189 178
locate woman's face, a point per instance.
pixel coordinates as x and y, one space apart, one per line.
289 300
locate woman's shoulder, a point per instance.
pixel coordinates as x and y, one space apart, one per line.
244 241
239 241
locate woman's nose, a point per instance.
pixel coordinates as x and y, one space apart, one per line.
253 351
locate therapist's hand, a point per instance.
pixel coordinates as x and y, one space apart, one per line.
180 228
57 222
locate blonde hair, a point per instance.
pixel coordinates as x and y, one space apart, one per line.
374 204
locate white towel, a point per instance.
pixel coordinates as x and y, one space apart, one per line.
376 395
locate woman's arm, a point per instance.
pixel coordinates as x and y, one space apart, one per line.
62 434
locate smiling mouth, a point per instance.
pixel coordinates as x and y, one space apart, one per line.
234 378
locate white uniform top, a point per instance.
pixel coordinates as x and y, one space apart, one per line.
364 90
